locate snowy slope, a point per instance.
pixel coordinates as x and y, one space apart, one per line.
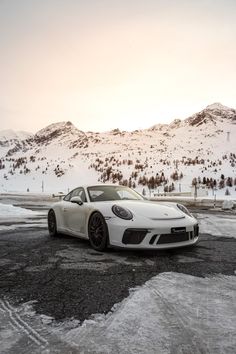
9 135
61 156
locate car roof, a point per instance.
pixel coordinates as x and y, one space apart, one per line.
99 185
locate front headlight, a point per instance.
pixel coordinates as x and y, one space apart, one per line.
121 212
184 210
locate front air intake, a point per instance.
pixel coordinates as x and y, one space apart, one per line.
173 238
134 236
196 230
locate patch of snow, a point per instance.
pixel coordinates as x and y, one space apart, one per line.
217 225
21 226
8 211
172 312
228 204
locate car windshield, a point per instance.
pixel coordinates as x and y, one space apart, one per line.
107 193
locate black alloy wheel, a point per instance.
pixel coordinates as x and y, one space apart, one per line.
98 232
52 223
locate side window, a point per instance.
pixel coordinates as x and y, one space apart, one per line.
67 197
80 193
124 194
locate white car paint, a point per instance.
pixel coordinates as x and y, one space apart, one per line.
157 218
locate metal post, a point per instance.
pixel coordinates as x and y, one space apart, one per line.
214 197
195 191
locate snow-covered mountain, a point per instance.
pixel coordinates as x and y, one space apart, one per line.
168 156
10 139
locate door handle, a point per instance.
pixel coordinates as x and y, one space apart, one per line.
65 209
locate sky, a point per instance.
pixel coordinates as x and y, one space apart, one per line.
105 64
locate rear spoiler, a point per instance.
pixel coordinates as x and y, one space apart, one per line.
59 195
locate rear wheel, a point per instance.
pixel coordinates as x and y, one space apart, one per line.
98 232
52 223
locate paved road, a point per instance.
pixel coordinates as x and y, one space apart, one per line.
69 279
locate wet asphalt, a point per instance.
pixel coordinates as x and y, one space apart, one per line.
67 279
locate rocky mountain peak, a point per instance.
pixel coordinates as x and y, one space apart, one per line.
211 114
218 106
56 130
55 127
159 127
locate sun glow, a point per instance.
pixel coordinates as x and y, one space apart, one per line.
116 65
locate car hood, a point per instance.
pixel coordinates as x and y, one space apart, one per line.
151 210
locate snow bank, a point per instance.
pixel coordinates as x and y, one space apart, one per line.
217 225
228 205
9 211
170 313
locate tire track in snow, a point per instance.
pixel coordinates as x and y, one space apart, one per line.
178 321
21 325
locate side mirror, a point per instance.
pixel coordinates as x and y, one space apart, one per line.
77 200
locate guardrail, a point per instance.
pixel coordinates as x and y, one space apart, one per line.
190 201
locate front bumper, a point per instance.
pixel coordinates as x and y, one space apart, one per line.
163 235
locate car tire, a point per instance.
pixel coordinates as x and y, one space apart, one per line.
98 232
52 223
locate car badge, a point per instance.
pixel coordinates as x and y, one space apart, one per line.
165 214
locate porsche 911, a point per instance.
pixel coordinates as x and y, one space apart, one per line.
118 216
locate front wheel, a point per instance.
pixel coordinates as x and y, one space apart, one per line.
98 232
52 223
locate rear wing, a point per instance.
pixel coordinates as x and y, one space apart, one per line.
60 196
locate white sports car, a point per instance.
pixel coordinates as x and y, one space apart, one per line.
120 217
